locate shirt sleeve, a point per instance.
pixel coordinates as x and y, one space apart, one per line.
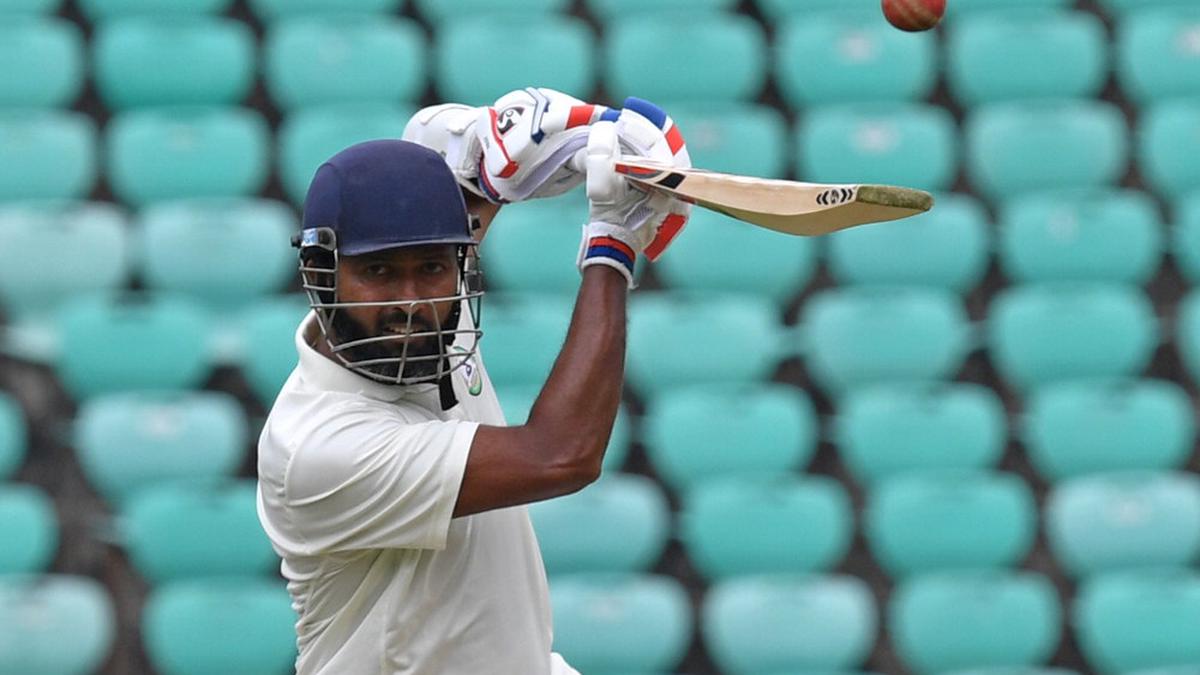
364 481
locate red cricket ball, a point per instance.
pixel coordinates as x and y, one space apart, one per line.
914 15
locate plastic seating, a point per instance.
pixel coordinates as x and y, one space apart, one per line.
132 441
1077 428
1157 56
439 11
28 528
855 336
192 60
890 143
1185 244
950 520
97 11
885 430
946 248
54 624
316 60
14 436
1128 621
732 527
49 154
269 344
1125 8
178 152
610 10
548 226
17 7
968 7
739 138
522 336
517 401
43 60
1043 333
269 11
778 10
1168 140
619 524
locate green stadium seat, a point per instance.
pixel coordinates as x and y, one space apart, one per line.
1042 333
316 60
1126 8
186 60
621 623
28 528
747 139
437 12
621 523
48 154
780 10
1168 142
785 524
1018 147
1076 428
14 7
555 51
548 226
67 248
677 339
209 626
610 10
1110 522
98 11
799 624
14 436
1002 56
710 57
269 343
1126 621
885 430
176 152
309 137
951 620
855 336
54 624
127 442
848 57
950 521
1169 670
269 11
962 8
43 62
1187 338
694 434
712 253
890 143
1185 244
1089 235
522 336
174 532
252 257
946 248
1014 671
1158 54
517 401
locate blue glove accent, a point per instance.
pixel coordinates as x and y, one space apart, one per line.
648 110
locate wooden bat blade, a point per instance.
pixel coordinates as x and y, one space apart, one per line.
786 206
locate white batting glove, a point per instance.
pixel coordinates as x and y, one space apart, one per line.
449 129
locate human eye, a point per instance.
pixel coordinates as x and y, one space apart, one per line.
433 267
377 269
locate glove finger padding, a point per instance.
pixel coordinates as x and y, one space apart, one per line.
449 129
646 130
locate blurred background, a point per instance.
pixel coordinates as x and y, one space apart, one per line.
964 442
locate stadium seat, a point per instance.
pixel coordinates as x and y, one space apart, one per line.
1123 9
15 7
209 626
885 430
950 521
317 60
854 336
48 154
621 623
98 11
1169 670
174 532
28 528
1018 147
953 620
714 254
780 10
697 433
962 8
789 624
621 523
1076 428
67 249
1187 338
1168 142
555 51
43 62
946 248
439 11
307 138
677 340
1109 522
54 624
1127 621
610 10
14 436
176 152
710 57
891 143
848 57
126 442
522 336
269 11
1185 245
548 226
192 60
1014 671
1041 333
1088 235
517 401
1003 56
224 252
784 524
747 139
269 343
1158 54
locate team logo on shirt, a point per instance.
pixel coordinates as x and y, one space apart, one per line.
470 372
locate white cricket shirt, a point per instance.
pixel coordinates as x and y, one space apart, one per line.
357 483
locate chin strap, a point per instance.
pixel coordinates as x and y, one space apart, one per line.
446 392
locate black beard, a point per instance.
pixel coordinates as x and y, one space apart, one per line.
349 329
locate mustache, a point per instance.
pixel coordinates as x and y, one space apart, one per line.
401 318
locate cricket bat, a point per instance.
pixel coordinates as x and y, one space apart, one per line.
791 207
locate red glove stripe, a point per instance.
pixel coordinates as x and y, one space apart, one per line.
580 115
674 139
614 243
670 227
511 167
